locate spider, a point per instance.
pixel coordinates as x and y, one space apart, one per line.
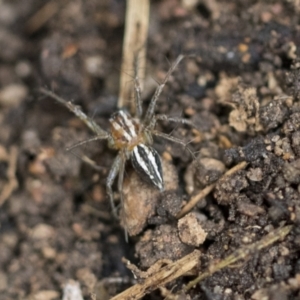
131 136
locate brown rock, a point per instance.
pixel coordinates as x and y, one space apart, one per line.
191 231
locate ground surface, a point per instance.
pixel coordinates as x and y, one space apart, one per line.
241 90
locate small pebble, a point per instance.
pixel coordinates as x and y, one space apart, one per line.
191 231
12 95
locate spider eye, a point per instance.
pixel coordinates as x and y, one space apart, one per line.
147 163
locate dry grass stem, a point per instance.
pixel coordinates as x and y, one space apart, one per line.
134 48
242 253
195 199
163 276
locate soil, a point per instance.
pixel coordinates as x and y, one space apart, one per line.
239 85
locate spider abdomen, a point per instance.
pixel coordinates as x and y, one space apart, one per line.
146 162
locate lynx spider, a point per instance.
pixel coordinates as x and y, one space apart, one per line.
132 136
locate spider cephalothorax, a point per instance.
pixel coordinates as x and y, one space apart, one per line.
132 137
125 131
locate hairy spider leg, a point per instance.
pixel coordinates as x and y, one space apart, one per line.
151 108
101 133
152 124
84 158
96 138
117 166
88 161
121 176
137 91
175 140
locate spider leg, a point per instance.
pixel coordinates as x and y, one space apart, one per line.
102 134
120 186
168 119
88 161
137 91
121 178
175 140
96 138
117 165
150 110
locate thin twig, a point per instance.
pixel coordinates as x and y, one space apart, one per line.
203 193
242 253
161 278
194 200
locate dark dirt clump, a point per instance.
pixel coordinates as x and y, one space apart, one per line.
239 87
